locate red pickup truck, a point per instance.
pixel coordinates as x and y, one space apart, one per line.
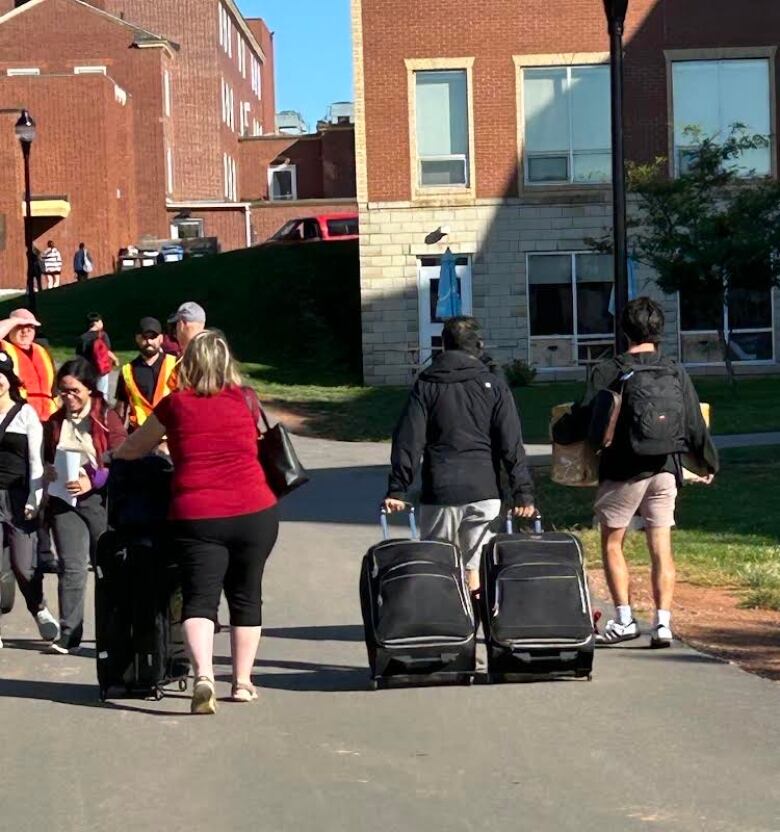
324 227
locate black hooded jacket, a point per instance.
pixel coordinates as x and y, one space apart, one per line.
462 420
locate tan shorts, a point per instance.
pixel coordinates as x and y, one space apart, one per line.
653 499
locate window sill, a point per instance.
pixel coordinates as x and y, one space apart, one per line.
436 197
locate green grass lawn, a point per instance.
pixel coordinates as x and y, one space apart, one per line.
728 532
369 414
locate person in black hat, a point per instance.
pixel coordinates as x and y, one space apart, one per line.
145 380
21 492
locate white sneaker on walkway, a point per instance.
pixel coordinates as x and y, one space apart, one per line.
48 626
614 632
661 637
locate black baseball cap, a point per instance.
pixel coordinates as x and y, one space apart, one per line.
149 325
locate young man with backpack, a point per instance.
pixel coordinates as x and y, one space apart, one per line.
658 419
95 346
461 422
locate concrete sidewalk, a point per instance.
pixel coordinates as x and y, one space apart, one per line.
668 740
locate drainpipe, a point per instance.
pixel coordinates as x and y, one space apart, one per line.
248 221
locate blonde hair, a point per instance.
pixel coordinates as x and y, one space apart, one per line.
208 366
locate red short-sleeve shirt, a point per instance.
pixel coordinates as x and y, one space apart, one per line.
213 444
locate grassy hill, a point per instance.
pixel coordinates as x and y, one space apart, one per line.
295 311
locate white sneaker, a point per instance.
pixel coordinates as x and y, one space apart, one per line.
660 637
48 626
614 632
1 644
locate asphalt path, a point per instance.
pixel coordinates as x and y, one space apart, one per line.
666 740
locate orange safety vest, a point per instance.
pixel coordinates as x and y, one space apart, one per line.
36 372
140 406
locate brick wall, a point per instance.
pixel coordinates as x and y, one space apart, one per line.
96 175
266 39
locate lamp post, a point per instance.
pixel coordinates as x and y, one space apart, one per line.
25 132
616 17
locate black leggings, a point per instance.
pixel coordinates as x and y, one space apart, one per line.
225 553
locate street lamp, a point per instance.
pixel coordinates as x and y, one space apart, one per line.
616 18
25 132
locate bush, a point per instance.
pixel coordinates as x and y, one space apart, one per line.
519 373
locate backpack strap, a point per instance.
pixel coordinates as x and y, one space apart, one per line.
9 417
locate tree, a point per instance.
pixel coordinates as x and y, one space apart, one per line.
710 232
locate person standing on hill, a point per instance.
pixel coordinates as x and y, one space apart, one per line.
32 362
82 264
143 383
52 265
95 346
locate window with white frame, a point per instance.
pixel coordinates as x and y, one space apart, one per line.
221 25
442 128
567 136
169 169
710 98
241 52
747 322
25 70
234 179
166 92
226 175
569 297
282 182
257 77
243 110
228 105
96 69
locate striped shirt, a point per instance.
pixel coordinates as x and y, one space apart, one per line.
52 261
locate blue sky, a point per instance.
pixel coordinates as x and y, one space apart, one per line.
313 52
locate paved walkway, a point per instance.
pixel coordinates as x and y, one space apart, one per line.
669 740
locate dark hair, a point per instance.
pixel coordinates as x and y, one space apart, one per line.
81 245
643 321
81 370
94 317
462 333
15 385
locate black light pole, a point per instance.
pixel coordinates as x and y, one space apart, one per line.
616 17
25 132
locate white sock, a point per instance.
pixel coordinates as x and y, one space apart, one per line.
663 618
623 612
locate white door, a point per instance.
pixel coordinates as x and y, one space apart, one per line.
428 271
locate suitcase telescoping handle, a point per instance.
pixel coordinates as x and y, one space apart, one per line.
536 523
385 528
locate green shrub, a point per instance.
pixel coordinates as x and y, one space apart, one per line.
519 373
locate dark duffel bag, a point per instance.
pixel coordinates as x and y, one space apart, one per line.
417 615
138 634
536 606
139 492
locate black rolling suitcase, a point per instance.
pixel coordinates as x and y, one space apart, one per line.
536 606
417 614
139 643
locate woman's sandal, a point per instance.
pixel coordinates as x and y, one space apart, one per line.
204 698
243 692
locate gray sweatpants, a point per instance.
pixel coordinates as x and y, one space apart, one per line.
76 533
469 527
19 535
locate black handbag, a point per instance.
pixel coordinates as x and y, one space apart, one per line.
283 470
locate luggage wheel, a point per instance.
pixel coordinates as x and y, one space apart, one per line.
376 684
467 680
103 694
158 694
182 685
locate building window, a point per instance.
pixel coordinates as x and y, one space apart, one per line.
166 93
710 97
228 105
567 125
257 77
569 297
234 179
221 26
747 321
282 182
89 70
442 127
169 170
187 229
30 70
242 56
243 111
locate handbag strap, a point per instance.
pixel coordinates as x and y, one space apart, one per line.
253 403
9 417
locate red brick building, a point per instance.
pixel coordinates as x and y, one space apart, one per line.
494 126
140 107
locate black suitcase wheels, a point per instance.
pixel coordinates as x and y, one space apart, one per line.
103 694
182 685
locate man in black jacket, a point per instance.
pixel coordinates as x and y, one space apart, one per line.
461 419
637 483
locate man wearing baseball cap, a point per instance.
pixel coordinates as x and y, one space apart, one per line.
190 319
145 380
32 363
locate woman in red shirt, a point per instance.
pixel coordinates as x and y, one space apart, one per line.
223 514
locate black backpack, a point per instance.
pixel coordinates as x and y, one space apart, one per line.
653 408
